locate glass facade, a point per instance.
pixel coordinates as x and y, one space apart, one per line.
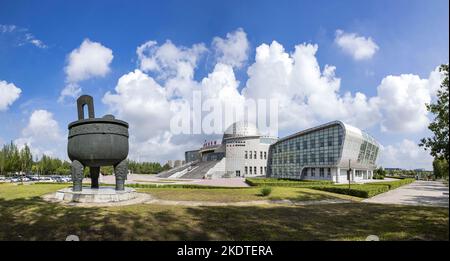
316 148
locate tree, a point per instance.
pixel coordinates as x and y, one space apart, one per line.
439 143
440 168
379 173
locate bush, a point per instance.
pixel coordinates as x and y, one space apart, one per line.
365 190
266 191
273 182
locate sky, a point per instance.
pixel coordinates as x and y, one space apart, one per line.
372 64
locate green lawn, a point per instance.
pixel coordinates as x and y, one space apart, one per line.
240 194
25 216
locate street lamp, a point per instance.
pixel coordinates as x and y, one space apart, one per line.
349 171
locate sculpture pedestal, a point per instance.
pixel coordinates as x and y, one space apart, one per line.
95 195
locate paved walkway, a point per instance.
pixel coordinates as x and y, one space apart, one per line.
422 193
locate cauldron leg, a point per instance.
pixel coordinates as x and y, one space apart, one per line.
77 175
95 172
121 171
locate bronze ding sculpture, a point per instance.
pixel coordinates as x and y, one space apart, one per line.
96 142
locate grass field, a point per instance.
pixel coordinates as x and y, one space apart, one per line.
25 216
241 194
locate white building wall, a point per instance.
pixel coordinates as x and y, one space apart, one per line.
235 156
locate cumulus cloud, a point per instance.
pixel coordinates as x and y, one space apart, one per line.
359 47
89 60
9 93
307 94
401 100
405 154
233 50
43 135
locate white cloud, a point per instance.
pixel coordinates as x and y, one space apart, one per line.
43 135
307 95
359 47
89 60
23 36
233 50
401 100
169 60
405 154
9 93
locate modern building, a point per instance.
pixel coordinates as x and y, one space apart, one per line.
325 152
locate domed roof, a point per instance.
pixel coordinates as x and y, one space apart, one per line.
241 129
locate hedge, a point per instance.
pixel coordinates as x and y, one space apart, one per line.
273 182
365 190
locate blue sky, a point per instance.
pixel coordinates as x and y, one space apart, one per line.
411 36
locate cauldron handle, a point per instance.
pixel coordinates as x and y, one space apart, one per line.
85 100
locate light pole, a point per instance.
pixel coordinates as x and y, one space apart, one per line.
349 172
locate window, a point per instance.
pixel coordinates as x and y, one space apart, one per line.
321 157
261 155
313 158
329 172
254 154
297 145
291 159
250 154
251 171
254 168
297 158
330 141
313 172
321 142
313 143
340 139
305 144
321 172
305 159
265 154
246 170
246 156
261 170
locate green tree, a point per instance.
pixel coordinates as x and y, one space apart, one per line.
440 168
439 143
379 173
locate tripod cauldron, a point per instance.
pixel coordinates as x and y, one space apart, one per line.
96 142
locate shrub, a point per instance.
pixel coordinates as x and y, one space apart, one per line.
265 191
365 190
273 182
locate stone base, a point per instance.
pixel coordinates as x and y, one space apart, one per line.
100 195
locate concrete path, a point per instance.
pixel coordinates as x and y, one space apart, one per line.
422 193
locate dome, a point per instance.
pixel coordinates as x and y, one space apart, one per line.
241 129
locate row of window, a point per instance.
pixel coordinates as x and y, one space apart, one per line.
304 159
306 172
254 170
311 143
254 155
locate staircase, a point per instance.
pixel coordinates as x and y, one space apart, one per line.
200 169
170 172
